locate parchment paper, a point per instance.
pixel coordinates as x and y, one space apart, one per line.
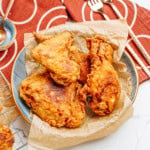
42 136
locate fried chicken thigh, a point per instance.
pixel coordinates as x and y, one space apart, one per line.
57 105
6 138
53 54
103 88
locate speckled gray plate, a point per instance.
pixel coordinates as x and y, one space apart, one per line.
19 73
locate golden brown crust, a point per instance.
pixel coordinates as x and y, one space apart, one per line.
41 37
1 108
53 54
103 88
57 105
6 138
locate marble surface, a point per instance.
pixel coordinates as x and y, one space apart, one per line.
144 3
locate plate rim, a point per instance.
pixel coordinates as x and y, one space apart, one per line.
137 75
28 119
11 85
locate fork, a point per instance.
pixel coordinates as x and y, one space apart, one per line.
137 42
97 6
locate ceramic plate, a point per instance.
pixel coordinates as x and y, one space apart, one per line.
19 73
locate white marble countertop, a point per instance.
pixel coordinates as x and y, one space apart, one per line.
144 3
135 133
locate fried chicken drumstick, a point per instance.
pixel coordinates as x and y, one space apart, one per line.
57 105
103 88
6 138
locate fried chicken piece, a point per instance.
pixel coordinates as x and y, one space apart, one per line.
6 138
103 88
1 108
53 54
57 105
41 37
83 60
80 58
105 49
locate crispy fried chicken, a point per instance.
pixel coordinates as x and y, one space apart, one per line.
1 108
103 88
53 54
82 59
6 138
57 105
41 37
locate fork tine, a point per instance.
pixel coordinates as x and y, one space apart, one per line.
89 3
99 1
93 2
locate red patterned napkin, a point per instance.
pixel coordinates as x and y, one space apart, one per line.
137 17
32 15
29 16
